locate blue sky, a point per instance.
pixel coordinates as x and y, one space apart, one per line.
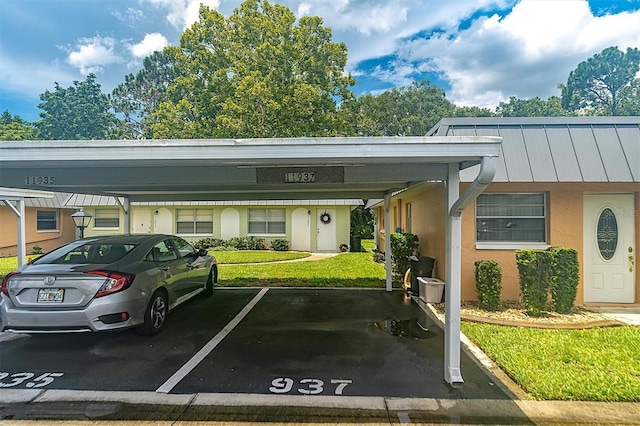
480 51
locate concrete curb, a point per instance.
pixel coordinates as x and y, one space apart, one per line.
415 410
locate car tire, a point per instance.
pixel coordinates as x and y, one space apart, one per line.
155 315
211 279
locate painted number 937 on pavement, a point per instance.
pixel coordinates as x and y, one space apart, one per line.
307 386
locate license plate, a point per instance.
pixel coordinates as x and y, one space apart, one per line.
50 295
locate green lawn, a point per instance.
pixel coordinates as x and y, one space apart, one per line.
255 256
597 364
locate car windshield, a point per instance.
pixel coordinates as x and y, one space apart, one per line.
87 252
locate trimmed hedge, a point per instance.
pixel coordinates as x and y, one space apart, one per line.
280 244
554 271
564 279
488 283
403 245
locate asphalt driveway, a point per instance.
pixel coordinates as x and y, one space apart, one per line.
257 341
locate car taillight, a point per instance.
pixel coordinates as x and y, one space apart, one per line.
5 282
116 281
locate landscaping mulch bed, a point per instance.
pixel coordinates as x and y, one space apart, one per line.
512 314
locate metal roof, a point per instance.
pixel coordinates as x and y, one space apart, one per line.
556 149
237 170
84 200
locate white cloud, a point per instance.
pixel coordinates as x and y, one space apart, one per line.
91 55
151 43
183 13
525 53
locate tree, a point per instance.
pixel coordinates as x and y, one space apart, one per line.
534 107
405 111
603 84
80 111
256 74
141 94
14 128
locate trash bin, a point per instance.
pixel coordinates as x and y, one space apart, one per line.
356 244
420 267
431 289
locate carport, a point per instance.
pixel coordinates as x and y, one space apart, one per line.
267 169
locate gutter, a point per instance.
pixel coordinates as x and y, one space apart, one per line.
488 167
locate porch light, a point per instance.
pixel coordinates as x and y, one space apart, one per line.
81 219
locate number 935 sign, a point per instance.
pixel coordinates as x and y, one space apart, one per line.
307 386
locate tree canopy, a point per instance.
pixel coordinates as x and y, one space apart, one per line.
257 73
80 111
604 84
14 128
534 107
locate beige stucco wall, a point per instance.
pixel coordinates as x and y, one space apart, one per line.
48 240
343 221
565 228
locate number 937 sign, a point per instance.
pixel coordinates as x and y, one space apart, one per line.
307 386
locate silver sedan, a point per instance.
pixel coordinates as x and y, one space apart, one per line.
106 283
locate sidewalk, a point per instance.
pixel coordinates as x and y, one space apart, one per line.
155 408
629 316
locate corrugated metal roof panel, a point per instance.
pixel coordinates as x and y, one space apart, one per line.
588 154
563 154
611 153
557 149
539 154
630 142
515 155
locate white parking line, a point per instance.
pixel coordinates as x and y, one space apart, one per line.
206 350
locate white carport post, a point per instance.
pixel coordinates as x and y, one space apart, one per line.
125 205
452 373
456 205
387 241
18 209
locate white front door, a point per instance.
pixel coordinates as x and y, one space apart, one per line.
609 251
141 221
229 223
301 230
326 222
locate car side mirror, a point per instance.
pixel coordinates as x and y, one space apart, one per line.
202 252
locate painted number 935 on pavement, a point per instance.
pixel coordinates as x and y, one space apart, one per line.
29 380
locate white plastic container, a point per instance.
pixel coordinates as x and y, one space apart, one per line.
431 289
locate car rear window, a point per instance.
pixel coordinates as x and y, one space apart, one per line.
92 252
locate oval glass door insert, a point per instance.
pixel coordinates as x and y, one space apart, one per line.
607 234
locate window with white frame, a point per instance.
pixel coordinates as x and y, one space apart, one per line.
47 220
267 221
512 218
194 221
106 218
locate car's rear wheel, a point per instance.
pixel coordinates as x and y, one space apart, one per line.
155 315
211 279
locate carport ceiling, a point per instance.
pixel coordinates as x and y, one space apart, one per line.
246 169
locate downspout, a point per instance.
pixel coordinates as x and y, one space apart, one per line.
488 167
453 288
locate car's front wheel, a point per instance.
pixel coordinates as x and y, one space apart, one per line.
212 279
155 315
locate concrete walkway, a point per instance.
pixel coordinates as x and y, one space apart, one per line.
629 316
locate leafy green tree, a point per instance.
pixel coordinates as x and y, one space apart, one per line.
473 111
257 73
534 107
141 93
405 111
604 84
80 111
14 128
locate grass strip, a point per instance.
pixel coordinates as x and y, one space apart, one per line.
597 364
